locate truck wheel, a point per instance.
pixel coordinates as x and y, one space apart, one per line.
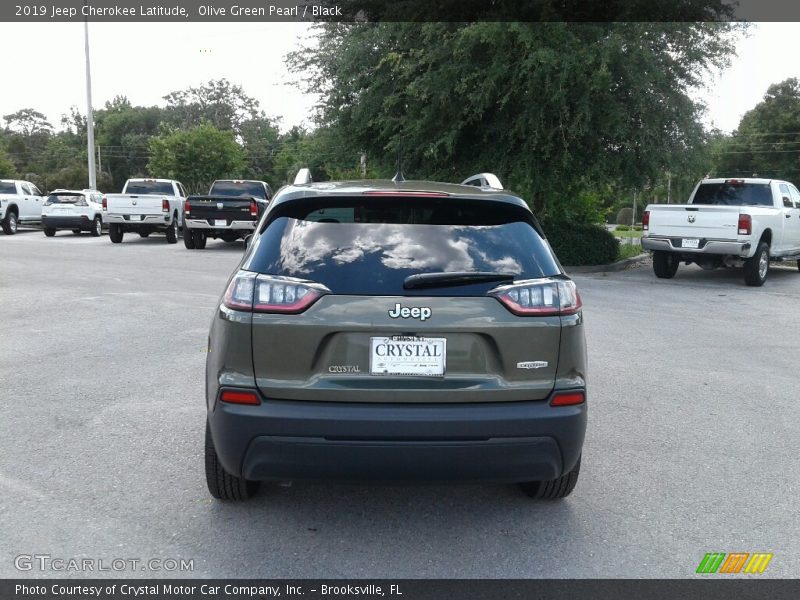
188 238
97 227
199 239
115 232
756 268
10 223
172 231
554 488
665 264
222 484
49 231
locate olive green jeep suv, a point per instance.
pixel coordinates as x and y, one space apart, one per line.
396 331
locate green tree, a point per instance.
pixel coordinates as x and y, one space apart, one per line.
7 168
197 156
767 141
221 103
552 108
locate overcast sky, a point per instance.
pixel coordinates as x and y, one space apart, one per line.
147 61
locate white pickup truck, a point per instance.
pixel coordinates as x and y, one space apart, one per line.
20 204
145 206
727 223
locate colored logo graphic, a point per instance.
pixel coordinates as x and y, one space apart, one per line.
735 562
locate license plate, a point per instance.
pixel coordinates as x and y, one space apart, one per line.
220 223
407 355
690 243
136 217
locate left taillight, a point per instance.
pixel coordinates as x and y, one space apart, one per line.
540 297
646 220
270 294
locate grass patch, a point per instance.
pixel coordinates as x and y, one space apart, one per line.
629 251
627 234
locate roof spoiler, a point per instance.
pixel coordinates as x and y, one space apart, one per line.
484 180
303 176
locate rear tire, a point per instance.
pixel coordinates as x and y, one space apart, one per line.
49 231
222 484
10 223
188 238
553 489
665 264
756 268
199 239
172 231
97 227
115 233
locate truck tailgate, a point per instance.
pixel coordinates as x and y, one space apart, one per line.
132 204
694 221
220 208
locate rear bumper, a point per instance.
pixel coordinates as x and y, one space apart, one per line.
232 226
159 220
76 222
721 247
297 440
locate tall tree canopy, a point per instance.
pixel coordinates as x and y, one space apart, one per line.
767 141
547 106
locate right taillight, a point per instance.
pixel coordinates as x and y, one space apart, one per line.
646 220
187 208
745 225
271 294
105 203
540 297
253 208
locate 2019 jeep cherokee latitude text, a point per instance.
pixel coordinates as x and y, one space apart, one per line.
388 331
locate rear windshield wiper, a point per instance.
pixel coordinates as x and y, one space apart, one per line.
423 280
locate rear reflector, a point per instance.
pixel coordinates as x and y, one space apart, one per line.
232 397
745 225
568 399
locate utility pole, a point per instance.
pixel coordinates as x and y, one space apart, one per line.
364 165
89 113
633 219
99 161
669 185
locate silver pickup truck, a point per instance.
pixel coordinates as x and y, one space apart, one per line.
727 223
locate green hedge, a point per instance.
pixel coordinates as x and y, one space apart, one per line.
622 228
581 244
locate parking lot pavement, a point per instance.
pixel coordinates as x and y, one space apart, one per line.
691 447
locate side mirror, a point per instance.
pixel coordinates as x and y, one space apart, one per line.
787 203
247 240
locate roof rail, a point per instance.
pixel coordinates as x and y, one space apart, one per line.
484 180
303 176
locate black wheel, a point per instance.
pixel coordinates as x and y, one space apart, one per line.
172 231
76 231
144 234
554 488
756 268
222 484
665 264
188 238
199 239
49 231
10 223
97 227
115 233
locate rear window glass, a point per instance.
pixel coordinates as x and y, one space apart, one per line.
149 187
734 194
363 247
236 189
7 188
64 198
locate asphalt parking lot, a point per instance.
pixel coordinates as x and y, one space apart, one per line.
691 448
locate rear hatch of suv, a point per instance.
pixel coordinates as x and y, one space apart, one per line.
404 298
